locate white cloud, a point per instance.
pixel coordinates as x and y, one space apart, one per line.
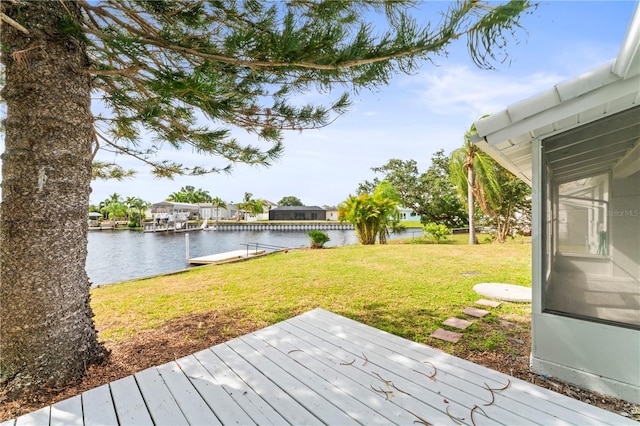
462 90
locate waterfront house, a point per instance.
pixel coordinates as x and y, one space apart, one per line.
408 215
208 211
298 213
331 213
578 146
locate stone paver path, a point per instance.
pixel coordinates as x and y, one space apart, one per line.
449 336
475 312
461 324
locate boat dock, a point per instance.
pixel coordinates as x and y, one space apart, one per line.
224 257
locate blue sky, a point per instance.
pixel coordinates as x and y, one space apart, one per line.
411 118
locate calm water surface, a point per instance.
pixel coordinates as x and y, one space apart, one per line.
115 256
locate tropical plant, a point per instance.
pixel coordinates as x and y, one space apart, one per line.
189 194
249 205
318 238
168 74
436 232
372 216
218 204
113 207
140 205
473 173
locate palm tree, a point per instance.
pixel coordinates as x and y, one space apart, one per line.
112 207
139 204
189 194
387 200
249 205
372 216
472 169
218 203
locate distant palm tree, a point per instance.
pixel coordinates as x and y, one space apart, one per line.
218 204
189 194
473 170
140 205
249 205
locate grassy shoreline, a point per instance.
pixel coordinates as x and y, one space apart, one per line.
406 289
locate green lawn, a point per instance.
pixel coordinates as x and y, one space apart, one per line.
404 288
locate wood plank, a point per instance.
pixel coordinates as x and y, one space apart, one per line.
284 404
194 408
467 391
462 385
283 375
130 406
316 376
225 408
426 398
97 407
162 406
257 408
35 418
67 412
539 399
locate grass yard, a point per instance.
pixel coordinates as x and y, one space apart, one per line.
407 288
404 288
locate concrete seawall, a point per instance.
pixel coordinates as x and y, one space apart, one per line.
264 226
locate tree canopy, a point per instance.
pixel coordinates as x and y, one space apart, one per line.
189 194
290 201
170 74
430 194
186 71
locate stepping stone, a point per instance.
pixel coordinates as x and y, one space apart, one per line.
457 323
475 312
485 302
448 336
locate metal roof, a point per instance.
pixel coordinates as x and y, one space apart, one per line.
600 93
298 208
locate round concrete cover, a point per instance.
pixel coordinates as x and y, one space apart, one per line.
506 292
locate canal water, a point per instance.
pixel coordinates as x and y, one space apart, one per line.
115 256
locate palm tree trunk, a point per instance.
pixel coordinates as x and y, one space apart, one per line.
472 226
47 338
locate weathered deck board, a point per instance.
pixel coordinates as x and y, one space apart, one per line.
319 368
521 394
67 412
129 403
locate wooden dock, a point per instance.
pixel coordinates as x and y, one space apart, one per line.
224 257
320 368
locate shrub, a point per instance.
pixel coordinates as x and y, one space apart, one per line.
436 232
318 238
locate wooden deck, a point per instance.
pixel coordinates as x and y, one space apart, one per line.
319 368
